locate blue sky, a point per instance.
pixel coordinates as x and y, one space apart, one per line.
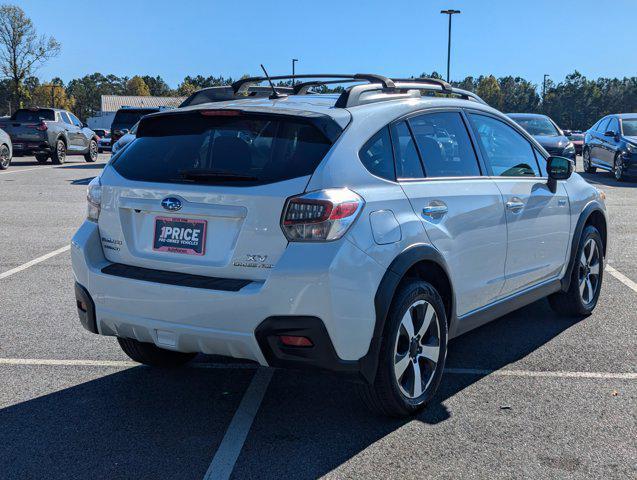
174 39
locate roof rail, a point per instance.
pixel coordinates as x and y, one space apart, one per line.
355 95
303 88
240 85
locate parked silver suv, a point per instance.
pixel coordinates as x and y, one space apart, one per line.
356 232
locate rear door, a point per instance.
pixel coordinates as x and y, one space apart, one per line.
538 221
461 209
79 141
597 145
70 129
203 193
609 144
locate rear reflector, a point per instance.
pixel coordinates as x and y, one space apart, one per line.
294 341
220 113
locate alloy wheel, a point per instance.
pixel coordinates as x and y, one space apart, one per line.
61 150
93 149
417 349
589 263
586 160
619 168
4 157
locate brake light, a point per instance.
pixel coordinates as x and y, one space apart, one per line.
320 216
220 113
94 200
295 341
42 127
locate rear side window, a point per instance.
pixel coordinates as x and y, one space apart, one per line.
377 155
602 125
445 145
613 125
238 150
65 118
407 161
34 115
506 151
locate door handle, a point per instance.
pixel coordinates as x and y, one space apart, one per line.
435 210
515 205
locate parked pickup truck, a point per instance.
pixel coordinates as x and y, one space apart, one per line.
49 132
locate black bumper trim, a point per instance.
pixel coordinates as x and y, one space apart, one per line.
85 308
175 278
321 356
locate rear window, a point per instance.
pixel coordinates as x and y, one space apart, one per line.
128 118
237 150
34 115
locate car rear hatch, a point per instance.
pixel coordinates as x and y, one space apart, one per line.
28 127
202 191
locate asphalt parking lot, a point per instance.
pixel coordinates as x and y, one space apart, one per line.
529 395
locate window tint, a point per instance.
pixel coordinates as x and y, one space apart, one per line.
613 125
507 152
541 162
75 120
444 145
377 155
603 124
33 115
65 118
407 160
629 125
133 130
242 151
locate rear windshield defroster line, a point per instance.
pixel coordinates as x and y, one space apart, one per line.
243 150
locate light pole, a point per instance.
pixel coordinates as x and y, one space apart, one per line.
294 60
546 75
450 13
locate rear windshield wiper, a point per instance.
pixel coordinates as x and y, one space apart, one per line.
207 174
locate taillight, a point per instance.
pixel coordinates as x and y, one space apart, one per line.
94 199
322 215
42 127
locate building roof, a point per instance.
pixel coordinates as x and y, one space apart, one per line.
112 103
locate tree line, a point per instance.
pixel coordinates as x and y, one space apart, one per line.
574 103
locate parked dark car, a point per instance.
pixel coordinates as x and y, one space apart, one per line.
546 132
50 132
611 144
125 118
101 132
5 150
577 138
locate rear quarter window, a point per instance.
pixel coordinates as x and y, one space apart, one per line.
34 115
242 150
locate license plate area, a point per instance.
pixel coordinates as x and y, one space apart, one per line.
180 235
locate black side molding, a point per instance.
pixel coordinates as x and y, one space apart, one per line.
583 218
85 308
385 294
321 355
175 278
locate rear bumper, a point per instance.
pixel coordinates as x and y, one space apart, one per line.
30 147
333 283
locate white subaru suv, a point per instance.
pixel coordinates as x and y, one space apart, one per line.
356 233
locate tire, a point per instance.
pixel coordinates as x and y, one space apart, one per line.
42 159
91 155
618 168
586 161
392 393
59 152
5 157
587 274
149 354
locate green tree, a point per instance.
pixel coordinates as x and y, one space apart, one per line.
136 86
489 90
88 90
157 86
21 49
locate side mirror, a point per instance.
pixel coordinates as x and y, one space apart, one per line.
558 168
568 133
124 131
609 133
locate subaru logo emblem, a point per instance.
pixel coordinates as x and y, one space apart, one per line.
171 203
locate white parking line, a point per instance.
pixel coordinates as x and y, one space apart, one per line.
622 278
35 261
253 366
541 374
44 167
224 460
